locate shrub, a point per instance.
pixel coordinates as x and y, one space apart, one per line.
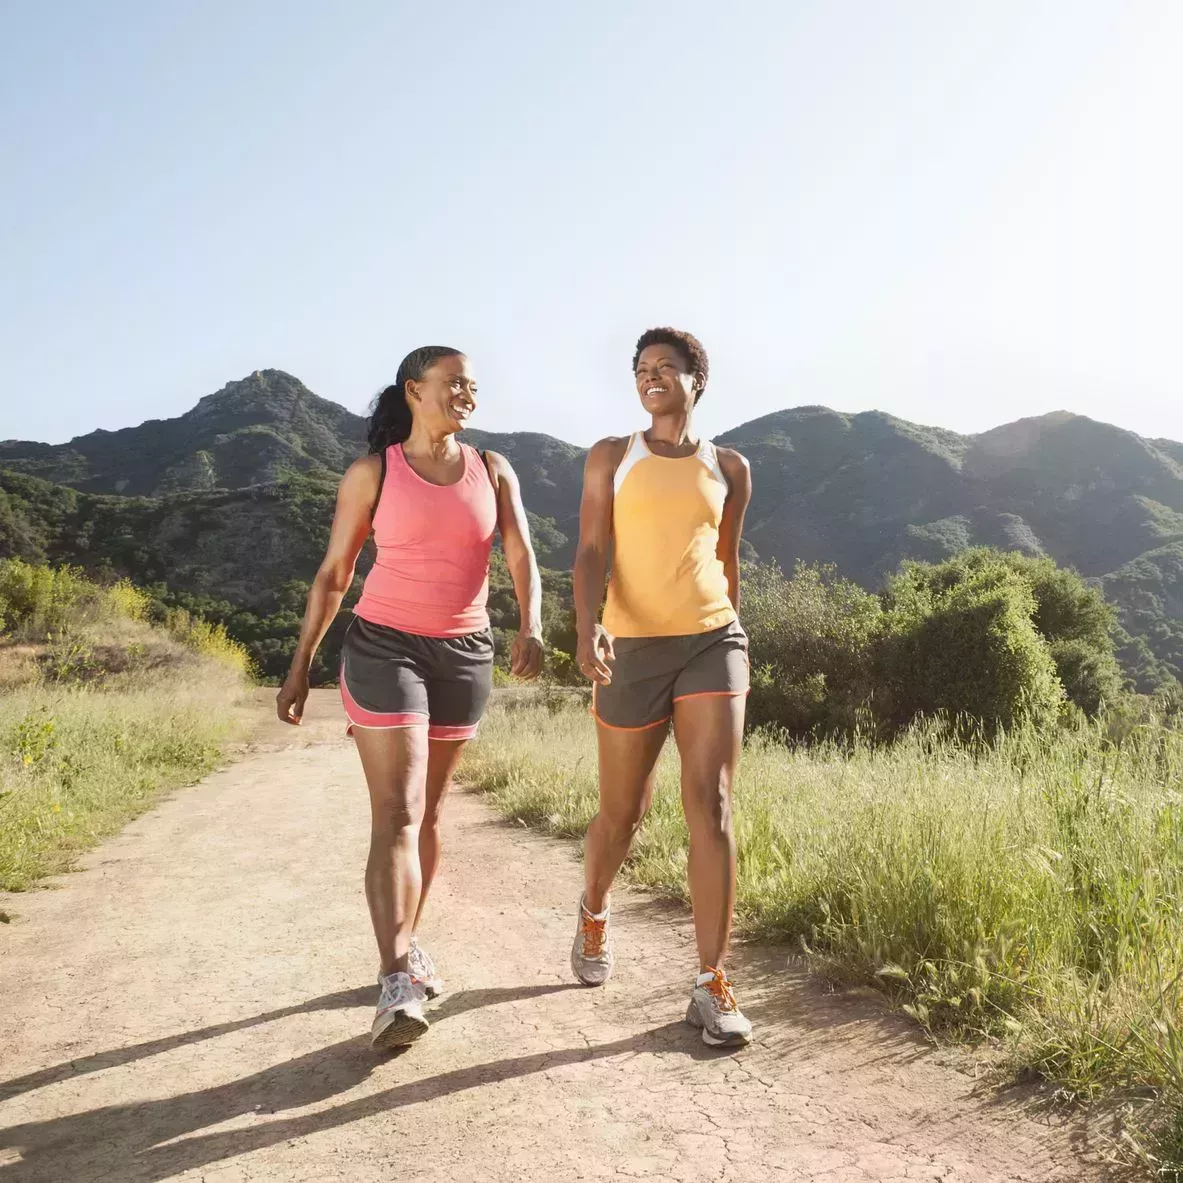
1070 615
1090 676
208 640
36 601
61 607
971 652
810 648
957 639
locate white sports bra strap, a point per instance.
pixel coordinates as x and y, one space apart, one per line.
635 451
709 455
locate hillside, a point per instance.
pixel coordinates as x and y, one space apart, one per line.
262 429
867 490
232 499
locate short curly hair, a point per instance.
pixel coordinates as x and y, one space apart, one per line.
689 345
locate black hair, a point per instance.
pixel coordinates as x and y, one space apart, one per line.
390 416
688 344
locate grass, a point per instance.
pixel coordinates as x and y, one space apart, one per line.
100 713
78 764
1029 892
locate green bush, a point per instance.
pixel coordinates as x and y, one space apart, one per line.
1070 615
61 608
985 639
810 646
209 640
1090 676
973 654
36 601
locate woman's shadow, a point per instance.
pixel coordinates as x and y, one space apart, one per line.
125 1141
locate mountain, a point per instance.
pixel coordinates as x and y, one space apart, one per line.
865 491
262 429
232 500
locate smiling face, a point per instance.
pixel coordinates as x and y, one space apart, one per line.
445 397
666 383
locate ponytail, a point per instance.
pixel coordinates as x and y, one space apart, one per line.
390 413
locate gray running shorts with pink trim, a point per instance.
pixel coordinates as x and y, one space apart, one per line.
390 678
650 674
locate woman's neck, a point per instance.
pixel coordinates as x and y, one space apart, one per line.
676 431
438 445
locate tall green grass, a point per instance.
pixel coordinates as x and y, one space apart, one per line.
77 764
1029 889
100 712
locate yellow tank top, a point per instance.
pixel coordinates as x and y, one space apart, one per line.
667 579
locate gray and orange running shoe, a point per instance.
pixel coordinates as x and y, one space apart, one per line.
591 953
714 1009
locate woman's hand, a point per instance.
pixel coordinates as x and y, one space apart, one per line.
293 694
525 657
594 655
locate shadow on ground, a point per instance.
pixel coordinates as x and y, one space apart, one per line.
139 1141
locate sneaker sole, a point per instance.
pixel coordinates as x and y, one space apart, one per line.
735 1039
403 1030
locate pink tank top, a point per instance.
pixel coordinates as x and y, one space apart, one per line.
431 575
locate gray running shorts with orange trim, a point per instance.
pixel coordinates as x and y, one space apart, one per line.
650 674
391 678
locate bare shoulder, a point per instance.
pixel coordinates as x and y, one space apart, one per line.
607 453
500 467
362 474
359 488
734 464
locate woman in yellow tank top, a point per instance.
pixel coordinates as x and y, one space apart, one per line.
669 507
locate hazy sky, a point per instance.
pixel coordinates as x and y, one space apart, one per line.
957 211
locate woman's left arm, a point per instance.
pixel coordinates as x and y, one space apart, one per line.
739 492
525 660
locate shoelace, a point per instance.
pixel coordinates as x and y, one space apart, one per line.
720 990
421 962
595 935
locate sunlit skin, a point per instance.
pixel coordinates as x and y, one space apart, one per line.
707 730
409 775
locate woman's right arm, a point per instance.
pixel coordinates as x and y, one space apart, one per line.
593 652
351 525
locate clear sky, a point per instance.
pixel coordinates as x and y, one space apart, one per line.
958 212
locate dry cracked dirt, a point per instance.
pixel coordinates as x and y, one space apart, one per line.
194 1002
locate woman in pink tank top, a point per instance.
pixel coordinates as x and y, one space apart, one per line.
417 661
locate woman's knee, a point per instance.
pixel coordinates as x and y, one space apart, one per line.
434 809
397 817
707 804
622 821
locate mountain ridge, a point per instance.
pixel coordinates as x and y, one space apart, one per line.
863 490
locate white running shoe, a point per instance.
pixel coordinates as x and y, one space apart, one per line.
591 953
399 1019
714 1009
423 970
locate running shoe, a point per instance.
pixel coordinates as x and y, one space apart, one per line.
591 954
714 1009
399 1019
423 970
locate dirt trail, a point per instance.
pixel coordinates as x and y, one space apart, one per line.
195 1004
